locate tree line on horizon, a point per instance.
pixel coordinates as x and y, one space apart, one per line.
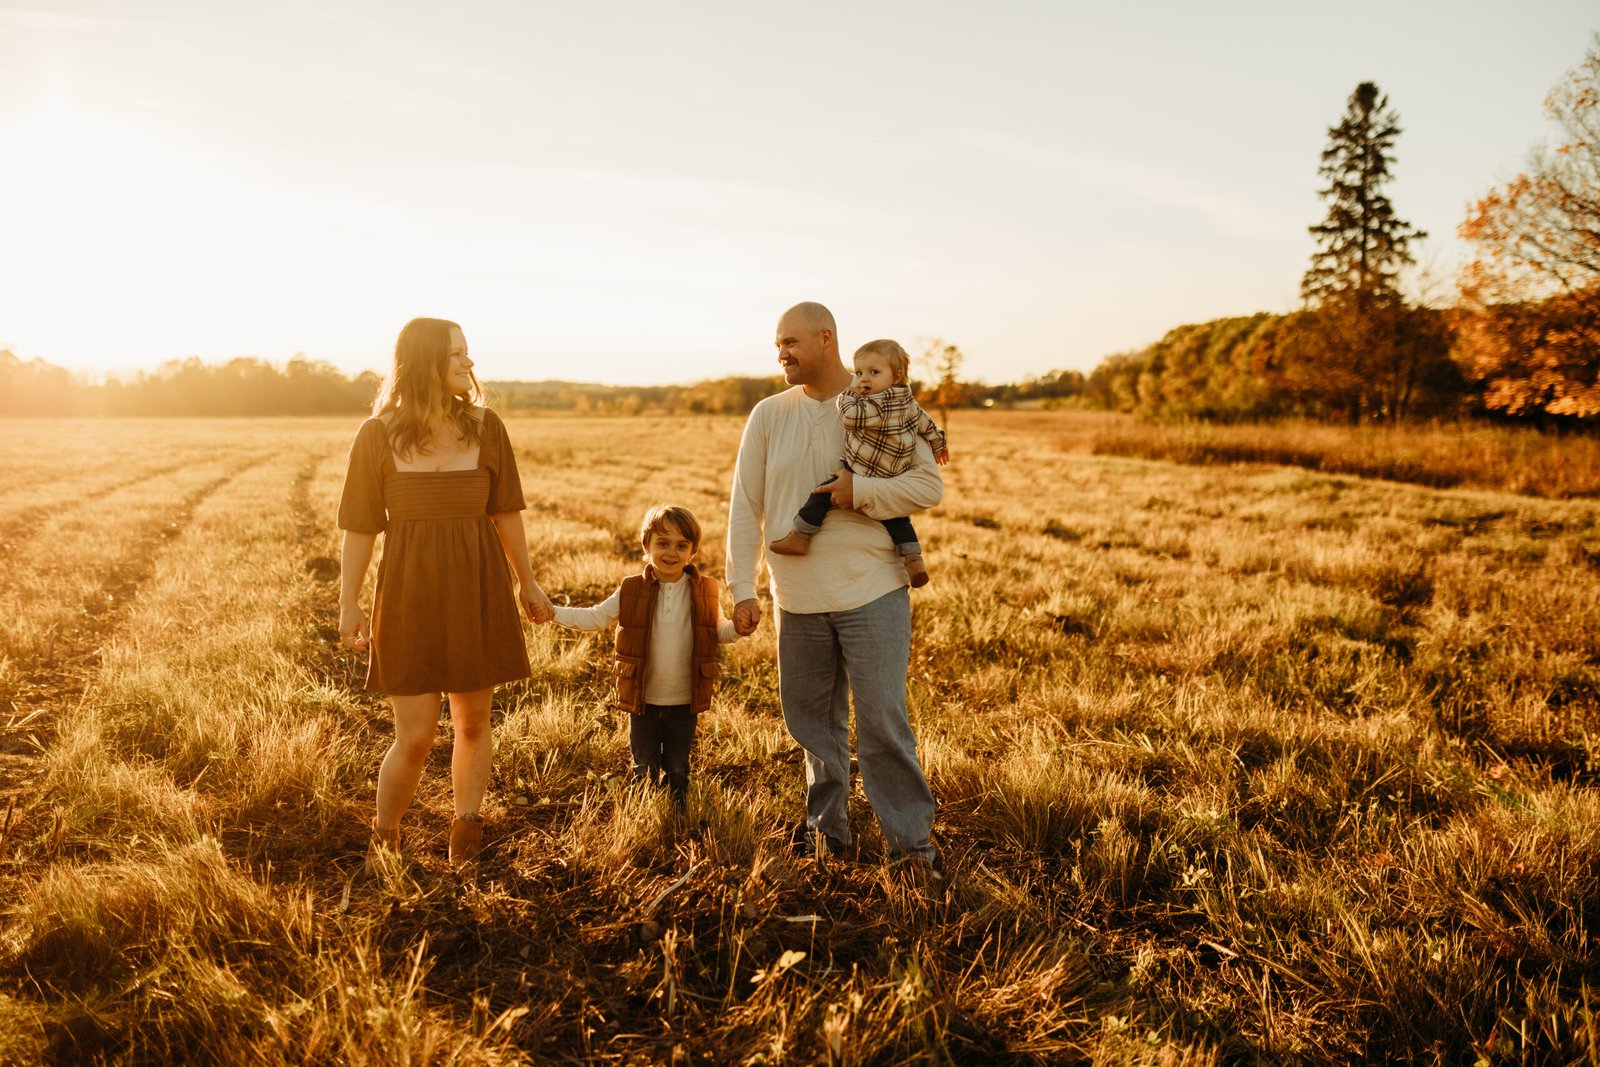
252 386
1522 340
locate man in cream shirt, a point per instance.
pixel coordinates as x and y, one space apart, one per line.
844 610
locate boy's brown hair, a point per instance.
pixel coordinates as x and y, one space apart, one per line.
656 519
899 362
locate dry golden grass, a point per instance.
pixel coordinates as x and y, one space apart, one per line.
1233 763
1514 459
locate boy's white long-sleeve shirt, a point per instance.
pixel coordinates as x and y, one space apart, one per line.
667 678
790 444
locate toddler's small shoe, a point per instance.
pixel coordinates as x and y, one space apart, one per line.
793 543
916 569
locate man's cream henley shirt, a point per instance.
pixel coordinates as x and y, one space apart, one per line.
790 444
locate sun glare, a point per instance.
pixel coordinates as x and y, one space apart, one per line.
128 237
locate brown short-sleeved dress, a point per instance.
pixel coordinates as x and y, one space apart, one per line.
444 616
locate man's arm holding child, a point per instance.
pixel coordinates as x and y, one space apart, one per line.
916 489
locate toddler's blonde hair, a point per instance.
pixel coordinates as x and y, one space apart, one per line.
899 362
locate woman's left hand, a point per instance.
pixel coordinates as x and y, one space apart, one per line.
535 605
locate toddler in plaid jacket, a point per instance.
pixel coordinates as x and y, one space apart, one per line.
882 422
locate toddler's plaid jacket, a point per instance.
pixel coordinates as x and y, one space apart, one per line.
880 431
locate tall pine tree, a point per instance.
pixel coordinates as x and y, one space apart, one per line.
1362 245
1358 350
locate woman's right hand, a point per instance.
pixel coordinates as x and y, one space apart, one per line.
535 604
355 629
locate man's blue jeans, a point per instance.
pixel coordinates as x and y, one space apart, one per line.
822 659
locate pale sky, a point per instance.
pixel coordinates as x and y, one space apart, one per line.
632 192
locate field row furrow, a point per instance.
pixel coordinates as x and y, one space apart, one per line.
19 529
56 465
115 543
83 564
49 657
221 623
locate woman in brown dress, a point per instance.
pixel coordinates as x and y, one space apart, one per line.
433 471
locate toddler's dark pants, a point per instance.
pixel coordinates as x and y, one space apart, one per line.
809 520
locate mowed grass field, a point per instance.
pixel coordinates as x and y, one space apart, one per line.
1234 764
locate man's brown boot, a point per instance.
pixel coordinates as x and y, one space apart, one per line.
466 839
917 570
793 543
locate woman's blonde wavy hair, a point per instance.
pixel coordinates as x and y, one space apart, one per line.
415 396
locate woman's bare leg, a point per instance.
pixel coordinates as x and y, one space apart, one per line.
416 719
474 749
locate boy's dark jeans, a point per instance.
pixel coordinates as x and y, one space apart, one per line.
661 737
809 520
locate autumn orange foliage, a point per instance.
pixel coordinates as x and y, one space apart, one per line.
1529 325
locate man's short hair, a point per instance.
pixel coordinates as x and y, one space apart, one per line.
656 519
899 361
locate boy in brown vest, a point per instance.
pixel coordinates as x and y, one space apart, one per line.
670 624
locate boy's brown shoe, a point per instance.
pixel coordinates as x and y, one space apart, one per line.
916 569
793 543
466 839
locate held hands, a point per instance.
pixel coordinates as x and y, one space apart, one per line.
942 456
842 489
746 616
355 629
535 605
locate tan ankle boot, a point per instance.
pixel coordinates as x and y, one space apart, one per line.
381 841
916 569
793 543
466 839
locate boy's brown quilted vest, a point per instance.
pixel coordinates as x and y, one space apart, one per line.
638 610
